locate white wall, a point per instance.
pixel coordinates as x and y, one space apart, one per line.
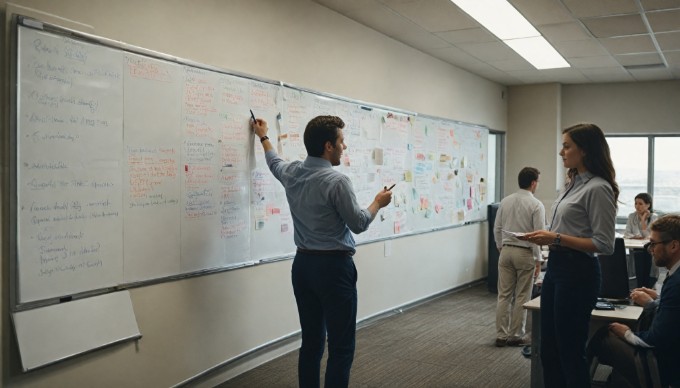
191 325
533 128
624 108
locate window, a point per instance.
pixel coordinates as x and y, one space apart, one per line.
647 164
629 155
666 187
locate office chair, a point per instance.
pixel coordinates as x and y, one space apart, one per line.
647 368
615 273
643 264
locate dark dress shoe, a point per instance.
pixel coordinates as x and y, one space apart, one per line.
526 351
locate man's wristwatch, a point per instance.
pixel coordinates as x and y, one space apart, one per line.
263 138
557 240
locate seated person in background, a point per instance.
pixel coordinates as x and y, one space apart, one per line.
637 227
615 345
639 220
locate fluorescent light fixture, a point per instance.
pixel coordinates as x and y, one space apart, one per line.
538 52
503 20
499 17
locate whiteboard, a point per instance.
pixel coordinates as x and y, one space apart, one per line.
133 167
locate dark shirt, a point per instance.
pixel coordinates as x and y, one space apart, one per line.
664 331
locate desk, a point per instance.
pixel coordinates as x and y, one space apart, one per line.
628 314
633 243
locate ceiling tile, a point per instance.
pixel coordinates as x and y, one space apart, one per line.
638 59
608 74
668 40
470 35
567 75
530 76
563 32
580 48
398 2
434 15
622 25
629 44
491 73
373 15
664 20
512 64
676 72
589 8
453 55
541 12
458 40
423 40
672 57
650 74
494 51
603 61
649 5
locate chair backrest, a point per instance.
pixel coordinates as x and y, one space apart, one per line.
647 368
643 262
615 273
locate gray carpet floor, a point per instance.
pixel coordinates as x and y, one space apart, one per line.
446 342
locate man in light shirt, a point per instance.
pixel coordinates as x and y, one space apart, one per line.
325 212
616 346
518 213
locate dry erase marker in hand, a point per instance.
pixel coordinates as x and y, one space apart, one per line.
252 115
391 187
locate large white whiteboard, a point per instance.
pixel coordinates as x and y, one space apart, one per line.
133 168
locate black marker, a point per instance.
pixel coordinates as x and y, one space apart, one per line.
391 187
252 115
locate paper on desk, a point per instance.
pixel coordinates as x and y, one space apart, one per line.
514 234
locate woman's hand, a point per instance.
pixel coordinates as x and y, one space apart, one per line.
539 237
644 216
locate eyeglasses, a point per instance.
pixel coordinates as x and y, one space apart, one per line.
650 245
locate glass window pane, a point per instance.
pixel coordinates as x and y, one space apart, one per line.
491 169
629 155
667 175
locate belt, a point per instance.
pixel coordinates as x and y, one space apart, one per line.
516 246
559 248
320 252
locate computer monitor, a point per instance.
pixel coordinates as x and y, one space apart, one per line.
614 268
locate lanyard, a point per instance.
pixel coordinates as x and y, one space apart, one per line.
571 186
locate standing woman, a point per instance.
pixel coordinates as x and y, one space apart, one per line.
583 224
639 220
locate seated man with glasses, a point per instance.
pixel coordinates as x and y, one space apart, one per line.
616 345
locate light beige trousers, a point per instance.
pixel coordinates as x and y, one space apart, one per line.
515 281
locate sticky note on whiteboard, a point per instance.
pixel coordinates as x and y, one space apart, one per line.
378 156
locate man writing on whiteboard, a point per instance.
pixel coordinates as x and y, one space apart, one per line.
324 210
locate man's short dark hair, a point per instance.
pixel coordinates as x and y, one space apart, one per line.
526 176
319 130
668 226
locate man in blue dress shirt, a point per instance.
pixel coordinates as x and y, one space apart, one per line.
617 347
325 212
